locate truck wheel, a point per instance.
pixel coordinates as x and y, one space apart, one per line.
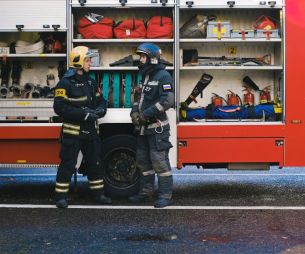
119 166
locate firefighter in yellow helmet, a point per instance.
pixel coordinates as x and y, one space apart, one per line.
79 102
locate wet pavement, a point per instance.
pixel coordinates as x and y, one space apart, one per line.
208 225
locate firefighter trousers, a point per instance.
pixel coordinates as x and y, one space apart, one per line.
70 149
152 158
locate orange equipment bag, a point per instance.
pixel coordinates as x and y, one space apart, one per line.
130 28
102 29
160 27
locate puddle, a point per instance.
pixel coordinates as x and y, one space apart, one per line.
150 237
216 239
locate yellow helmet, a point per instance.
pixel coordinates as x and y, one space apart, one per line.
78 55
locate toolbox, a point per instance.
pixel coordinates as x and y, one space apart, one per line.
96 58
242 33
217 29
263 33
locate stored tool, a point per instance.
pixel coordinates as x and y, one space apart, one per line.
217 100
265 22
248 97
233 99
264 95
204 81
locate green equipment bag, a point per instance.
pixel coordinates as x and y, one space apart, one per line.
128 88
116 89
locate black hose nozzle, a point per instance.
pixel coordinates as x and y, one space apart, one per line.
36 93
3 91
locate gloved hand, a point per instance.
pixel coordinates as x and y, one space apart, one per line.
91 117
135 118
89 110
142 119
100 112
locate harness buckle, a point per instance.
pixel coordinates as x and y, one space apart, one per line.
159 126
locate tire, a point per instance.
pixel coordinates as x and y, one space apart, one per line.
121 176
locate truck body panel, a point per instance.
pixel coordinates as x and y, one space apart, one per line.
27 136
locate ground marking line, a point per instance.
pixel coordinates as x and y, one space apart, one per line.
246 174
99 207
27 175
184 174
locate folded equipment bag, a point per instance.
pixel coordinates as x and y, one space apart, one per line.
232 112
196 27
130 28
102 29
160 27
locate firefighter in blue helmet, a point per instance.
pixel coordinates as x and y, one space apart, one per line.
79 102
150 120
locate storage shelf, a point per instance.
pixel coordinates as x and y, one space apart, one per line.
14 30
232 122
122 40
127 5
273 67
26 103
42 55
121 68
229 40
236 7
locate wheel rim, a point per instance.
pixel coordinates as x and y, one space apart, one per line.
120 168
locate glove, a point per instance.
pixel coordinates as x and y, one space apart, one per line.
142 119
89 110
91 117
135 118
100 112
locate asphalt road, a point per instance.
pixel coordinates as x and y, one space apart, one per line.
215 211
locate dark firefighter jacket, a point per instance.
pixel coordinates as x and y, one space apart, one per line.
157 96
75 96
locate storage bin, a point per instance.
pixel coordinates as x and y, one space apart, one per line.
262 33
96 58
242 33
214 27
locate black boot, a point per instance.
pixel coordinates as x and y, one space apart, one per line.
103 200
100 198
165 189
62 203
61 200
138 198
146 190
163 202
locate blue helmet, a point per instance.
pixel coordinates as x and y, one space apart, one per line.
151 50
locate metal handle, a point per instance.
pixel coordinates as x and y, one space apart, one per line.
154 1
272 3
231 3
163 2
46 26
55 27
19 27
189 3
82 2
123 2
262 3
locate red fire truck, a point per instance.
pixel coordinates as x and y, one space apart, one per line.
232 32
